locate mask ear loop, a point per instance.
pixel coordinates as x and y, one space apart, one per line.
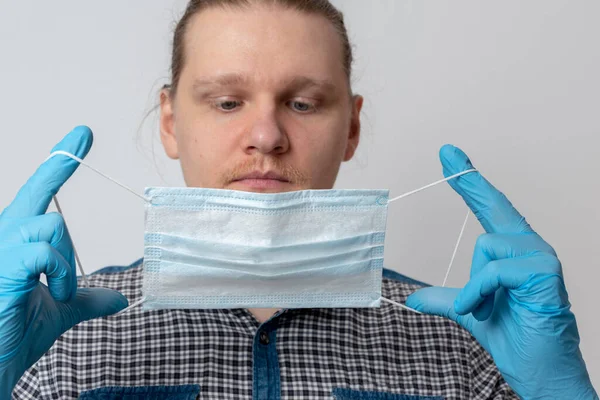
468 171
58 208
460 235
457 242
133 305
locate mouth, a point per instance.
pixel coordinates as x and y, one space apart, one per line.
262 182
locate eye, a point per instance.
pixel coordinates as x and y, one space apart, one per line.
227 105
302 107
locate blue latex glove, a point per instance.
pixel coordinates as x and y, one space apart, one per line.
33 315
515 303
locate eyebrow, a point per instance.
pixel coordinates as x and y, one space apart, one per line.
234 79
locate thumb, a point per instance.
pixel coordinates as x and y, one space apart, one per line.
439 301
90 303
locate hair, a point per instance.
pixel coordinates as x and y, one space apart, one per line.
317 7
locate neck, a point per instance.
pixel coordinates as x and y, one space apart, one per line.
263 314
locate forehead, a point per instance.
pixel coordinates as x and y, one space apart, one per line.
268 44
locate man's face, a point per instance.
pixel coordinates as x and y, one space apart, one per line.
263 102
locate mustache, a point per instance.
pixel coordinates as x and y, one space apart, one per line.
287 171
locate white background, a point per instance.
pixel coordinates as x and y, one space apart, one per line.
515 84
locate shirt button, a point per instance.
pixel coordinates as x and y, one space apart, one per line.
264 338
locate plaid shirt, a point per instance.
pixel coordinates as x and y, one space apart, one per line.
342 353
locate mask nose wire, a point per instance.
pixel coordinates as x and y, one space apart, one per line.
468 171
58 208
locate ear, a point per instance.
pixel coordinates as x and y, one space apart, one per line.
354 133
167 124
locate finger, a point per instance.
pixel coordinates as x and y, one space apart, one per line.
484 310
491 207
439 301
496 246
33 259
34 197
507 273
90 303
481 257
49 228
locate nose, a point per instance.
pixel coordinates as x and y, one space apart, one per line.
265 134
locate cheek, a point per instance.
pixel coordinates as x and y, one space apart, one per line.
200 149
194 131
328 140
321 149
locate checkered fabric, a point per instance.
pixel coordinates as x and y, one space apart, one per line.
374 353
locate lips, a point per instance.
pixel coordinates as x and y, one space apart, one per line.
269 175
266 182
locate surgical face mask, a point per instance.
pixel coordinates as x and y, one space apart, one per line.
214 248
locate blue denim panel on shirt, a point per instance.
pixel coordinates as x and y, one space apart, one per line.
348 394
183 392
266 372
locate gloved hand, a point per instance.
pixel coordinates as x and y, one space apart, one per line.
33 315
515 303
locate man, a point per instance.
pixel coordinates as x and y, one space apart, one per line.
260 101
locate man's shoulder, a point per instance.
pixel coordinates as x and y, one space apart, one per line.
126 279
115 269
397 287
401 279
